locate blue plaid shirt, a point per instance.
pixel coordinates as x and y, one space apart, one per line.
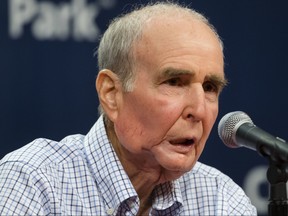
81 175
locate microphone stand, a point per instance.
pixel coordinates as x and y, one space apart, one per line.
277 177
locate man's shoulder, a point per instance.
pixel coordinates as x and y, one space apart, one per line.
205 170
42 152
206 178
210 190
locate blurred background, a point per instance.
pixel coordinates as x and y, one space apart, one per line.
48 70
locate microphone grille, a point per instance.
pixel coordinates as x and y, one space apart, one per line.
228 126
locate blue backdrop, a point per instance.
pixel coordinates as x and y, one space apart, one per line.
48 72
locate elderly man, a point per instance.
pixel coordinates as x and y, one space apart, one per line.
161 73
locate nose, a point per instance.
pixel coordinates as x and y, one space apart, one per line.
195 109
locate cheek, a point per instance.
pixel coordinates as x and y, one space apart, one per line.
145 123
210 120
163 114
154 111
207 127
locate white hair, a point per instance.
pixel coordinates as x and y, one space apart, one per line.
115 51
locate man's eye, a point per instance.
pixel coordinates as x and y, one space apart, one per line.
210 87
174 82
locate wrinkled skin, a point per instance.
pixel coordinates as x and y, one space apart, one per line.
161 127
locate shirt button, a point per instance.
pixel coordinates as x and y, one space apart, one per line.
110 211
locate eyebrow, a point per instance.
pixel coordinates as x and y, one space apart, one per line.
172 72
220 81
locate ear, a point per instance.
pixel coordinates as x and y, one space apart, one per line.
108 86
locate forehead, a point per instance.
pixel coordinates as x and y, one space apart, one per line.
179 42
170 24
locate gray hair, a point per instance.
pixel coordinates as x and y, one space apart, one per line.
115 51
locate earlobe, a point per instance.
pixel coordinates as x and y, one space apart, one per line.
107 85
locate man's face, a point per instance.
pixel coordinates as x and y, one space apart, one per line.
166 120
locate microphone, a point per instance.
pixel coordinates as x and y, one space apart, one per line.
236 129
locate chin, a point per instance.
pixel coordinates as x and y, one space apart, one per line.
175 172
184 165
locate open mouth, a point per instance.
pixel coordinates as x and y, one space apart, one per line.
183 142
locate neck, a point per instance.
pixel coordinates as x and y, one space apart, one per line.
144 183
142 176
